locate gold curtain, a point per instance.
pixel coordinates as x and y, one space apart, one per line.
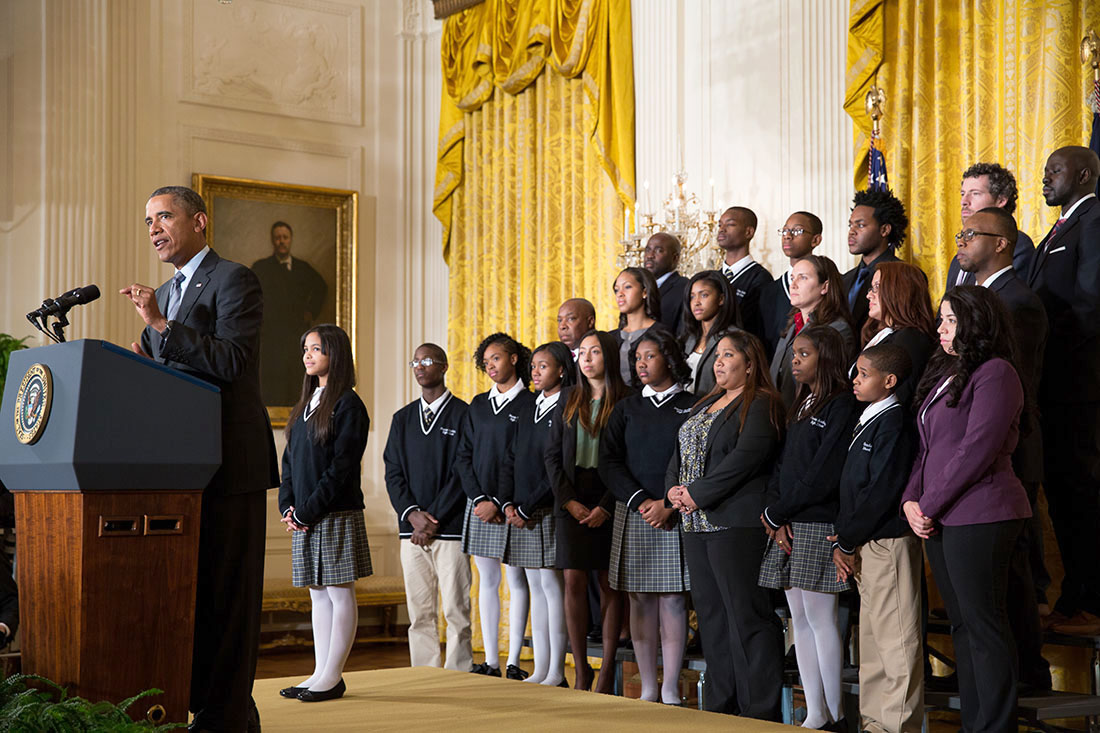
535 166
967 82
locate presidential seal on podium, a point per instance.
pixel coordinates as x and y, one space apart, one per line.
32 403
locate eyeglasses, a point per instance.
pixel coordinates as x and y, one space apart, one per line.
427 361
796 232
967 235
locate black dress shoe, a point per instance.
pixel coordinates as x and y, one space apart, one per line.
515 673
291 692
485 669
321 696
563 683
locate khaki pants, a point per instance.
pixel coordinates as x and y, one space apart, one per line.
442 571
891 670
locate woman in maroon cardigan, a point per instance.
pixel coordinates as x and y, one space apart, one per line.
965 501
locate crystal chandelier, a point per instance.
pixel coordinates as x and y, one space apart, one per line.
682 216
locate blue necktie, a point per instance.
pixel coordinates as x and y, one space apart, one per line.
175 297
854 292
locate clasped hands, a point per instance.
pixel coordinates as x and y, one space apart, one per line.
591 518
681 500
291 525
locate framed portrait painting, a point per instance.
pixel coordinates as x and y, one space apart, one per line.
301 243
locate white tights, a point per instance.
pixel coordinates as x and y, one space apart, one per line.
488 606
335 619
820 653
666 614
548 635
518 601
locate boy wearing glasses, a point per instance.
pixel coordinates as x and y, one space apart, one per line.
429 501
798 236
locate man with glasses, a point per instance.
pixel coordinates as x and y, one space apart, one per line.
985 185
876 229
985 251
798 236
425 493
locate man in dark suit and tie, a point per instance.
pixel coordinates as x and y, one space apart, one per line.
1066 276
206 321
985 185
662 255
876 229
985 251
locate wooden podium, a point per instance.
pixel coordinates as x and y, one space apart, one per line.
108 500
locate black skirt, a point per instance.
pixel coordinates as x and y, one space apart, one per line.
580 547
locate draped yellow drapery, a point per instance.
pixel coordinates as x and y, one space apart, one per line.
535 165
967 82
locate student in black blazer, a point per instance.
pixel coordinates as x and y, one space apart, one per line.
900 313
984 250
210 328
583 504
876 229
746 276
710 309
1066 277
717 478
662 255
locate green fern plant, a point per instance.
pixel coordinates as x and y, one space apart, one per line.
25 709
8 344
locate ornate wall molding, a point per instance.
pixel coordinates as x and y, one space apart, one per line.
299 58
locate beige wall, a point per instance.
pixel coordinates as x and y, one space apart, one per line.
103 101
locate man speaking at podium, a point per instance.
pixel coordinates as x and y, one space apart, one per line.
206 321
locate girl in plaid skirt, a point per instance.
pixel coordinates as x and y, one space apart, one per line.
805 497
322 503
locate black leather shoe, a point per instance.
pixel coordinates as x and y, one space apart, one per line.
321 696
291 692
564 684
485 669
515 673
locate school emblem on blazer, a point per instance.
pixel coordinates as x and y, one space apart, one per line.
32 404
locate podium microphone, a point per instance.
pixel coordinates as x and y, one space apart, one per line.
62 303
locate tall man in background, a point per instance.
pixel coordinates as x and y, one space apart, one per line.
206 322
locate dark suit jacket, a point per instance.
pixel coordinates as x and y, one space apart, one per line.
672 301
732 489
216 337
770 312
781 359
859 308
1029 321
561 459
704 374
963 472
920 347
1066 277
1022 257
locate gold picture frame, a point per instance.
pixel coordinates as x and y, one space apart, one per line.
244 217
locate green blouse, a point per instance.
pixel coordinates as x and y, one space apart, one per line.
588 446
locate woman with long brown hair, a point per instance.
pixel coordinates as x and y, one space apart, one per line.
817 299
583 504
639 301
900 312
718 478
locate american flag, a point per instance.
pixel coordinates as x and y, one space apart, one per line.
876 165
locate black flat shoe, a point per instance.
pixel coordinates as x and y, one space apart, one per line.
292 692
563 683
485 669
322 695
515 673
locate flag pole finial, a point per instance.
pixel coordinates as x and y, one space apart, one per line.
874 101
1090 53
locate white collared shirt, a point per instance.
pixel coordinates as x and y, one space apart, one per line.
878 337
288 263
437 404
1073 208
314 400
989 280
872 411
545 403
658 398
666 276
733 271
787 282
498 400
939 391
188 271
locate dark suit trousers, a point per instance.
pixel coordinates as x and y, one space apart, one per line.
1071 478
227 613
742 636
1023 607
970 565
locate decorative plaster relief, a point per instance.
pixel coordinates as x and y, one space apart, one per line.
300 58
